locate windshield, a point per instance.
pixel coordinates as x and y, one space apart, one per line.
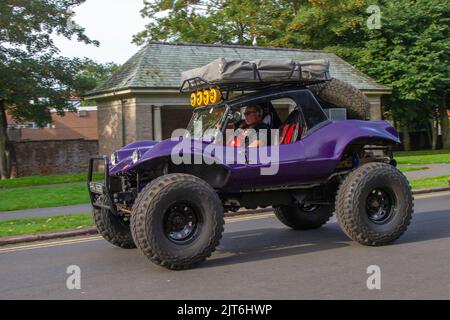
204 119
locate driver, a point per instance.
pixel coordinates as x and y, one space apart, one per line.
253 120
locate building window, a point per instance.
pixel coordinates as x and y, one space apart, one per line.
27 125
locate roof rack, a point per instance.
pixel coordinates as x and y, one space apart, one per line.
195 84
198 84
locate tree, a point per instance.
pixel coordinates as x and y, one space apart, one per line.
410 52
314 24
33 78
220 21
91 74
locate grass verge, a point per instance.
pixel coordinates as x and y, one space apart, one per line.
409 169
30 198
433 182
42 225
422 157
43 180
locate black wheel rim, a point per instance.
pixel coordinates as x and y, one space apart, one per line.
309 208
181 223
380 205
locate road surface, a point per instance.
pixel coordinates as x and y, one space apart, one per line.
258 258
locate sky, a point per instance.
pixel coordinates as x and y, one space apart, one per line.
113 23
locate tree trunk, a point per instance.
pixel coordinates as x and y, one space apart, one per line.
11 159
406 138
432 134
444 122
434 124
5 159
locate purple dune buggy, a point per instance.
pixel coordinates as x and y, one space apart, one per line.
174 213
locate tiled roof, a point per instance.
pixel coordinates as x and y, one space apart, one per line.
159 65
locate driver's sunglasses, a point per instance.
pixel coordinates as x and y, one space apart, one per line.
246 113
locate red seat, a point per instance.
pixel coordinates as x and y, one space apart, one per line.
289 128
286 134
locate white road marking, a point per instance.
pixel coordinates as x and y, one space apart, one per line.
41 245
249 217
49 244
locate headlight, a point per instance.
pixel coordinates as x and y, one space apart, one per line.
136 156
114 159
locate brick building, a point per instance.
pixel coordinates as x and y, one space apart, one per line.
63 146
74 125
141 100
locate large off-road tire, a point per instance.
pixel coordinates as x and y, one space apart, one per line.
374 204
303 218
343 95
177 221
112 228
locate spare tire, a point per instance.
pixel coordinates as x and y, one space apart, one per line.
343 95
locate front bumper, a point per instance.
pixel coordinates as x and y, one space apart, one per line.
97 189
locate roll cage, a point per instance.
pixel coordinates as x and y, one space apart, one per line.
311 114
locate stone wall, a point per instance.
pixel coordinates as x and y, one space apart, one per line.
121 122
110 124
53 156
376 112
